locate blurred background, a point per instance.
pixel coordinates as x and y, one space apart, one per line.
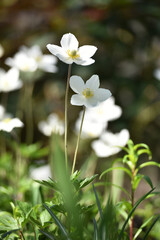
127 34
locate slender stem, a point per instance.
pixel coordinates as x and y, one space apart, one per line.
76 150
132 202
29 112
66 114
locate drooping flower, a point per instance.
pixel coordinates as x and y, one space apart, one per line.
88 94
10 81
46 62
109 143
7 123
70 51
52 125
31 59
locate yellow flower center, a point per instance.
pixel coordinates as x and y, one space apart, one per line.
73 54
6 120
87 93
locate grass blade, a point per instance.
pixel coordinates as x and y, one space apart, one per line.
47 234
95 229
98 202
132 211
56 221
148 231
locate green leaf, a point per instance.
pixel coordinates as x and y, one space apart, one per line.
87 181
148 180
44 217
95 229
59 224
8 223
98 202
47 234
132 211
148 231
4 235
142 226
146 164
25 208
116 168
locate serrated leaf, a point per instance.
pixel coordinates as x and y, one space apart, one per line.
25 208
44 217
87 181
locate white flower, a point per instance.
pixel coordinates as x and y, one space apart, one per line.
45 62
1 51
2 111
108 143
156 73
41 173
69 51
9 81
7 123
88 94
104 112
52 125
22 62
90 128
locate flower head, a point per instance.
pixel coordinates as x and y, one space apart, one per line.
88 94
52 125
109 143
9 81
7 123
70 51
31 59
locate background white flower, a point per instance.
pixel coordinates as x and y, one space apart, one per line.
40 173
52 125
30 59
156 73
1 51
22 61
45 62
88 94
7 123
10 81
91 129
2 111
69 51
104 112
108 143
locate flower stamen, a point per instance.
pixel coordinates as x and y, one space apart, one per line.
87 93
73 54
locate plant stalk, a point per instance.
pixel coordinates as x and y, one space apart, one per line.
66 115
78 139
132 202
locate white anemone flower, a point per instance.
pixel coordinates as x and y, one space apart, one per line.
40 173
2 111
156 73
10 81
23 62
45 62
52 125
104 112
7 123
109 143
91 129
1 51
70 51
88 94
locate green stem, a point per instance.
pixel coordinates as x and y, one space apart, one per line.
66 114
132 202
76 150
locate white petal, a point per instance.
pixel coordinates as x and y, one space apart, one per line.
77 100
93 83
87 51
90 102
77 84
13 73
69 41
102 94
86 62
102 150
56 50
64 58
